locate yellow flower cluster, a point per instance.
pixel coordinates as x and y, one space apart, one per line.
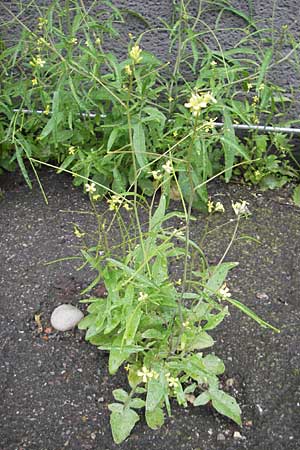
168 167
224 291
37 62
135 54
90 188
146 374
116 201
198 102
241 208
142 296
78 233
215 207
173 382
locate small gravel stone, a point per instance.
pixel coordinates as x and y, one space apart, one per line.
65 317
237 435
262 296
220 437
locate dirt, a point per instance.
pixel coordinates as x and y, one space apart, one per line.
55 387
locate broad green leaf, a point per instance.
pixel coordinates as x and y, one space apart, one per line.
132 325
213 364
116 407
202 399
200 341
155 419
152 333
137 403
156 115
219 274
122 423
296 195
139 145
120 395
155 393
112 137
226 405
117 355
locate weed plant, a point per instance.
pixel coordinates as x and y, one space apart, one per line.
82 92
151 133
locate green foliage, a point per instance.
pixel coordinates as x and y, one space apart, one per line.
158 331
130 128
137 106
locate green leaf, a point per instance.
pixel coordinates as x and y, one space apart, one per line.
159 214
155 393
251 314
155 419
116 407
137 403
264 66
200 341
139 145
117 355
202 399
120 395
155 115
132 325
296 195
215 319
226 405
213 364
122 423
219 274
112 137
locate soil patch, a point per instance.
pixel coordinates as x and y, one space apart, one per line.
55 387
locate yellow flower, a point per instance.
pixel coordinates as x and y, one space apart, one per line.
241 208
168 167
90 187
224 291
72 150
115 202
135 53
34 81
255 100
173 382
128 70
210 206
127 207
78 233
42 22
96 197
219 207
213 63
156 174
142 296
147 374
98 41
249 86
47 110
37 62
74 41
199 101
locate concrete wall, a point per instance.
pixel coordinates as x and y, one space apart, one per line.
266 14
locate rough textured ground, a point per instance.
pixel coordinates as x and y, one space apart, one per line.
55 387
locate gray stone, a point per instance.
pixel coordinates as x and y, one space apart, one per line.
65 317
